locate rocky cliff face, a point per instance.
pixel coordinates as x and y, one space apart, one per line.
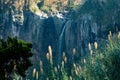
91 22
18 20
87 24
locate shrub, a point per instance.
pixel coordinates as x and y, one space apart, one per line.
100 64
105 65
14 57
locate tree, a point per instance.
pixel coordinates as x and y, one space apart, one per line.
14 56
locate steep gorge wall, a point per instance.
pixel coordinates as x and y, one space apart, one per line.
87 24
91 22
18 20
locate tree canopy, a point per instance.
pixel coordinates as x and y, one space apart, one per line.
14 56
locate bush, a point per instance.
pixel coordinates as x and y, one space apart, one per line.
105 65
14 57
45 9
100 64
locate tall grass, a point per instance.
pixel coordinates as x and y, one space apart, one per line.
103 63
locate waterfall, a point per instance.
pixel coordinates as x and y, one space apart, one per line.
61 42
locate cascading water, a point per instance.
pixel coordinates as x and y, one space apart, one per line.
60 43
61 40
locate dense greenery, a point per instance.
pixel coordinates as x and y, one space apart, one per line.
14 57
102 63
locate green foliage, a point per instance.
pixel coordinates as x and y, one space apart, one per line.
105 65
34 9
14 56
45 9
102 64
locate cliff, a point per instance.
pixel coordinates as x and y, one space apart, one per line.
64 31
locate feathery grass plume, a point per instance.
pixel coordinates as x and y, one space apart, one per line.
76 72
118 35
95 45
6 74
65 59
34 71
41 67
41 64
108 37
91 52
15 66
36 75
50 51
80 69
74 65
55 69
72 72
92 61
84 61
47 56
74 51
63 64
41 70
70 78
89 46
63 54
50 54
14 63
110 33
51 62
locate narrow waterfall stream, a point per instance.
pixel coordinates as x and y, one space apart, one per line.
60 42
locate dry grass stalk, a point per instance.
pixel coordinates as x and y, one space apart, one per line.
47 56
84 61
70 78
63 54
14 63
74 65
34 71
63 64
74 51
65 59
110 33
89 46
41 64
50 51
118 35
41 70
91 52
109 37
36 75
55 69
50 54
95 45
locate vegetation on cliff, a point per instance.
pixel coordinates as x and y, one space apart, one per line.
101 63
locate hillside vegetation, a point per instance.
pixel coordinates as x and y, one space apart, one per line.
102 63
